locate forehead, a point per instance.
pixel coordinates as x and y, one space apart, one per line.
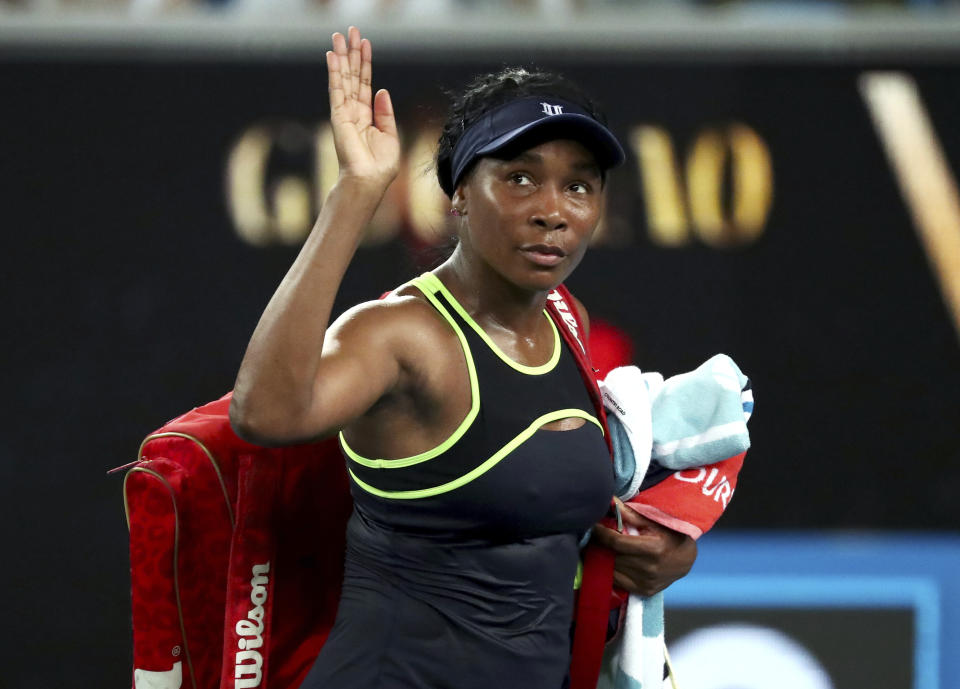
568 152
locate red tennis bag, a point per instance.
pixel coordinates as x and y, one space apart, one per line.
236 555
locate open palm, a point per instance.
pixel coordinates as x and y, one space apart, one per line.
364 127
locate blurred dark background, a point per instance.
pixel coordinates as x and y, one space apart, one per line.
155 196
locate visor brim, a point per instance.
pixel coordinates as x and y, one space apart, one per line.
599 140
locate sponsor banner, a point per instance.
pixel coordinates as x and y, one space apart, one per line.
798 216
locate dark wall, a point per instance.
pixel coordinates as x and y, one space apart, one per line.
130 296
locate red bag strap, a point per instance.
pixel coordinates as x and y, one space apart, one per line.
561 306
592 617
593 600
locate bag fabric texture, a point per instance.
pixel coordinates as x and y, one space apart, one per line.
235 555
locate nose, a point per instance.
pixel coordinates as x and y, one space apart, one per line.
549 213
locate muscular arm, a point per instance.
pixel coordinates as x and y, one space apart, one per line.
292 381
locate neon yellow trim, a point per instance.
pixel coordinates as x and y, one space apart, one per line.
464 425
486 466
578 577
438 286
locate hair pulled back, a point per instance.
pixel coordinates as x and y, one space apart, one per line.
489 91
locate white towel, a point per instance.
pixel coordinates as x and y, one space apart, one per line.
690 420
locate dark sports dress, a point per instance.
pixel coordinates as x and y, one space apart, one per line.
461 560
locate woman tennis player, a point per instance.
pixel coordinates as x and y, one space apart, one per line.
476 462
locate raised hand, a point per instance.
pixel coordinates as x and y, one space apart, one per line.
364 128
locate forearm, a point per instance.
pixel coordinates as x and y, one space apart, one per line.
276 382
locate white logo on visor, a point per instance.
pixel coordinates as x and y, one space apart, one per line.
552 109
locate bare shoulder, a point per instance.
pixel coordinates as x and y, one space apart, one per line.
405 341
399 321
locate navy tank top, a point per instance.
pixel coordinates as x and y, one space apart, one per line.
461 560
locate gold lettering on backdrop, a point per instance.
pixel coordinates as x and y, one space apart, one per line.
676 211
922 172
751 177
661 187
262 212
246 177
293 210
721 196
427 204
752 182
327 167
268 211
705 166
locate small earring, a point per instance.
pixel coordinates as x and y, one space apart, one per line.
456 212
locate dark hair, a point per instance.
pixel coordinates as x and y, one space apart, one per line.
489 91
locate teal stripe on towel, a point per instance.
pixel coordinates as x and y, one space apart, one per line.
624 461
653 615
624 681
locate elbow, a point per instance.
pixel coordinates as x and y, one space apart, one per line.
263 423
242 422
252 425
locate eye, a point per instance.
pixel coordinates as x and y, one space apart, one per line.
521 179
580 188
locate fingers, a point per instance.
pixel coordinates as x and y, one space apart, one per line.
603 536
647 543
354 61
366 76
334 81
343 67
638 586
632 517
609 538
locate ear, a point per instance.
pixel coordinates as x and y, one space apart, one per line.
458 202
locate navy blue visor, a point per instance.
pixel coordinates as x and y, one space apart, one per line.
535 118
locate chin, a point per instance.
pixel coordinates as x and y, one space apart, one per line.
542 279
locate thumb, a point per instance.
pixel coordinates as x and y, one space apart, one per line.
383 118
633 518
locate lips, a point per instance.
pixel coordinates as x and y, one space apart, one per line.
543 254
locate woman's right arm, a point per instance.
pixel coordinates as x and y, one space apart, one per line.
292 380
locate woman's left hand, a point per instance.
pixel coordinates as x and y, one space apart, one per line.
651 560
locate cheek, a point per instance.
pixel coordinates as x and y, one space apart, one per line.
494 223
588 218
489 232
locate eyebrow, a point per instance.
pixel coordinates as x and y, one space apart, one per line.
531 157
527 157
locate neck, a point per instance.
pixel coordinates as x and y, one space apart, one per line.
489 298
